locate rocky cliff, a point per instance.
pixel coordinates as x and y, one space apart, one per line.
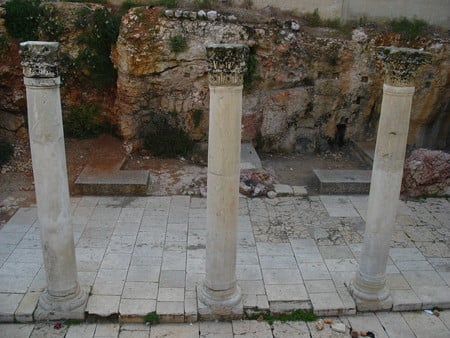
307 87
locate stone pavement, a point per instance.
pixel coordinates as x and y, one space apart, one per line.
382 324
143 254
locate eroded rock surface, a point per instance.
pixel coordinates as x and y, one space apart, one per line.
427 172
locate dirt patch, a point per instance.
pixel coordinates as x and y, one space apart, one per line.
297 169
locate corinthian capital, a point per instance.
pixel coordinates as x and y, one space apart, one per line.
226 64
40 59
401 64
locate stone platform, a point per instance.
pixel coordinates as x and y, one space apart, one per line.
340 181
103 175
143 254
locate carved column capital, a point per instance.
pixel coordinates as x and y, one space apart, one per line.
40 59
227 64
401 64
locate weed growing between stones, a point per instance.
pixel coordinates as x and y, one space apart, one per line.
164 138
6 152
84 122
152 318
409 29
70 322
178 43
297 315
204 4
50 26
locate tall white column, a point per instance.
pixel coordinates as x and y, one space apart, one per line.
369 285
63 297
220 292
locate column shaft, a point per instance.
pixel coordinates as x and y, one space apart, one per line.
219 296
63 297
369 285
223 186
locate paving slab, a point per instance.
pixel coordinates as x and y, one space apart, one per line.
136 260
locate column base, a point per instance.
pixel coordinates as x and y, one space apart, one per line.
369 296
65 307
219 305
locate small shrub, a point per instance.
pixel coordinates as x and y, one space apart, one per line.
128 4
410 29
178 43
152 318
204 4
6 152
102 33
165 139
167 3
84 122
313 19
22 18
50 26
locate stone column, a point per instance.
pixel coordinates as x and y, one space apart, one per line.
369 285
220 292
63 297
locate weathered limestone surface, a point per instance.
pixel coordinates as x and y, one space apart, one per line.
305 81
427 172
63 297
369 286
219 292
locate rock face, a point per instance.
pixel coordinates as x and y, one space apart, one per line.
427 172
306 87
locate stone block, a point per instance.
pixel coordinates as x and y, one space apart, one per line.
338 181
175 330
103 306
283 190
170 312
405 300
9 302
135 310
25 310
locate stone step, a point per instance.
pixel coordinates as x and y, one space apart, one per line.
340 181
103 175
120 182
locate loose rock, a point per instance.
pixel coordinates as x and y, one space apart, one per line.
338 327
328 321
212 15
320 325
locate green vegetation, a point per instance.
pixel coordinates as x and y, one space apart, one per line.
50 26
204 4
6 152
197 117
168 3
297 315
314 20
249 75
164 138
22 18
409 29
4 43
178 43
85 121
152 318
102 32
